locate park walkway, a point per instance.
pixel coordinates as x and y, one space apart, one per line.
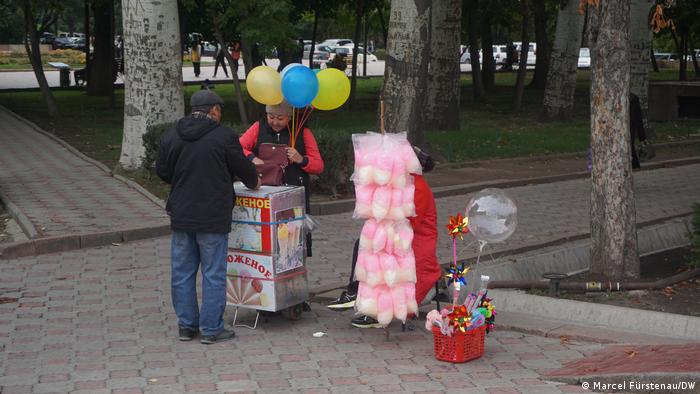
61 193
100 320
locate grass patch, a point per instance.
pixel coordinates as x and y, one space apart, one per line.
489 128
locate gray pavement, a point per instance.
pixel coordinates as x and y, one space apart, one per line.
100 320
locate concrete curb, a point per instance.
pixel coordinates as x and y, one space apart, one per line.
638 321
644 378
65 243
22 220
348 204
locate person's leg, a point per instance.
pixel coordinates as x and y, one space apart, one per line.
216 66
184 264
196 68
224 66
213 254
346 300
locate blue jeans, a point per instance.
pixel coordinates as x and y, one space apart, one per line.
188 250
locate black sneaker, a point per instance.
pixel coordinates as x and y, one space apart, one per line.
224 335
364 321
187 334
345 301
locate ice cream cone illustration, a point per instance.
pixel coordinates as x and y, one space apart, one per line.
283 241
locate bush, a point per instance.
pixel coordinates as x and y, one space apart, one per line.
151 144
336 150
695 238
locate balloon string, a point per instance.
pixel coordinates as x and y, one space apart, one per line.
455 292
476 266
292 134
307 114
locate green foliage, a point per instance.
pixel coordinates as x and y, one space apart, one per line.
151 144
695 237
336 149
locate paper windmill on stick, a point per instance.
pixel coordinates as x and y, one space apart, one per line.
458 226
457 275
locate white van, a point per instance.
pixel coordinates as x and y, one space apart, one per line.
531 52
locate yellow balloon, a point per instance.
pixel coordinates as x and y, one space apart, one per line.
333 89
264 85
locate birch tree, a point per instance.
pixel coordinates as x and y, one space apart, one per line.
613 215
152 72
405 74
442 107
561 77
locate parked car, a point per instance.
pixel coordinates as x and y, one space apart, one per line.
664 56
77 43
347 50
336 42
584 58
531 52
208 49
320 56
63 41
499 55
47 38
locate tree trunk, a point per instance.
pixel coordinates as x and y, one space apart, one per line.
679 50
561 76
313 40
613 216
101 75
695 61
355 51
654 66
442 105
539 79
382 22
405 74
477 82
488 70
640 47
86 31
251 59
683 57
152 73
234 75
31 45
365 56
522 65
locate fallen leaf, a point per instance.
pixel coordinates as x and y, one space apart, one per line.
668 291
630 353
116 244
655 349
153 380
564 340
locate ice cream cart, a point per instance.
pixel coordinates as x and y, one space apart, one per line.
266 260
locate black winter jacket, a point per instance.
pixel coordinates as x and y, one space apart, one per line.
200 158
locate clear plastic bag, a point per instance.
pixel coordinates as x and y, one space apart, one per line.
310 224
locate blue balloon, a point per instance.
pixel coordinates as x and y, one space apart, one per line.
299 86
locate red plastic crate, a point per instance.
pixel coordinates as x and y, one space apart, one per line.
461 346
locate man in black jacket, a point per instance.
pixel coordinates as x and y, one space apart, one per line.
200 158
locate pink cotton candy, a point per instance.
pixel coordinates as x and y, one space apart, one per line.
367 234
366 302
410 290
398 173
381 202
407 268
385 306
382 169
396 209
409 208
412 164
390 236
361 267
363 201
379 239
398 297
374 270
390 268
403 239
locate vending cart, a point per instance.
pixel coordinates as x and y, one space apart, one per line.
266 261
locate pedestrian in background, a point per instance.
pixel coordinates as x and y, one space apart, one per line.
200 159
196 55
220 59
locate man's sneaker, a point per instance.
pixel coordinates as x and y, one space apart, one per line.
224 335
345 301
187 334
363 321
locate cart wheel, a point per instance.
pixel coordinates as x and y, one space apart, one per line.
294 312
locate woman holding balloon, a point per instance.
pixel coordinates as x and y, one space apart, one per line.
290 97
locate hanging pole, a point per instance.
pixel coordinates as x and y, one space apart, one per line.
381 116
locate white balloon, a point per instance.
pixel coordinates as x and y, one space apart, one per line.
289 67
492 215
